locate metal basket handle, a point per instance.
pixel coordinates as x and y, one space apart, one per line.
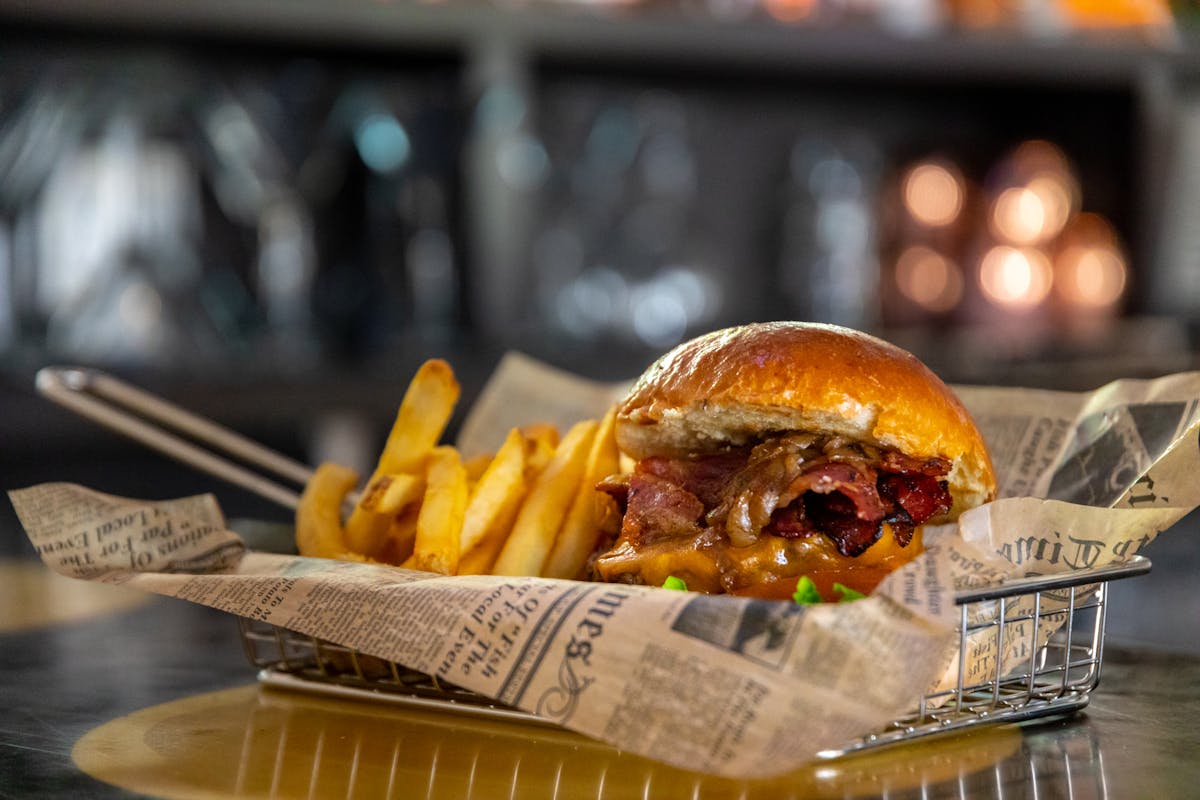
149 420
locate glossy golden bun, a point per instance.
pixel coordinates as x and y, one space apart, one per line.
739 385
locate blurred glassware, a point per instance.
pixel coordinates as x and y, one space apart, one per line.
621 253
8 307
102 187
175 209
829 251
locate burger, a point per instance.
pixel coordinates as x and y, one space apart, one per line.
768 452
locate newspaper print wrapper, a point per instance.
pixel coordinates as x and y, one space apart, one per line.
731 686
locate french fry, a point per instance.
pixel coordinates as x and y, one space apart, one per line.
493 506
440 520
392 494
476 466
547 504
366 532
426 408
424 411
541 439
590 509
529 509
319 512
401 535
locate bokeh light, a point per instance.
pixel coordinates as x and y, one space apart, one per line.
1090 270
934 193
1018 216
382 143
790 10
1038 156
1058 195
1015 277
1090 277
929 279
1035 192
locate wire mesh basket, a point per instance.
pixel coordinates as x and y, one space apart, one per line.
1046 635
1048 632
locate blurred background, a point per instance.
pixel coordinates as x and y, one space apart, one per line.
272 211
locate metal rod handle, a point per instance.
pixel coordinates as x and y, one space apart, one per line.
109 401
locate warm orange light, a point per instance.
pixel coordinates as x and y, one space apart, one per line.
929 279
1057 195
981 13
790 10
1117 13
1038 157
1032 213
1035 194
1090 276
933 193
1018 278
1018 216
1090 230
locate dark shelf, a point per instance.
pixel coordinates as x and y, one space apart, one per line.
648 37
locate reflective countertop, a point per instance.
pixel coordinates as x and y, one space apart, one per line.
107 693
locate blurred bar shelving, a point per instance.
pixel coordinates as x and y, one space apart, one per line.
510 131
640 35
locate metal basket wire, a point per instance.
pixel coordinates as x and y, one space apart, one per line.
292 660
1044 674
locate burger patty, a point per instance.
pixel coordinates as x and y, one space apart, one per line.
792 487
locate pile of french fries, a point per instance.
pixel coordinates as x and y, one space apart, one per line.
531 508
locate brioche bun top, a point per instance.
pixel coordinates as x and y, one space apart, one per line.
739 385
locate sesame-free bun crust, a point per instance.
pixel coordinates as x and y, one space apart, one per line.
742 384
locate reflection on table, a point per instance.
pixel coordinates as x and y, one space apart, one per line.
288 744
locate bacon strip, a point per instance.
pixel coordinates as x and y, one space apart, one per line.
789 486
704 477
658 509
921 496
